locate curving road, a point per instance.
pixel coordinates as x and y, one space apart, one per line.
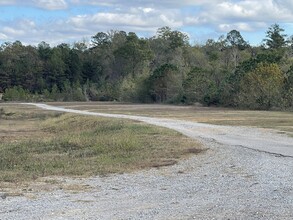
253 138
242 175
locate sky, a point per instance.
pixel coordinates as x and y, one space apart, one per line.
69 21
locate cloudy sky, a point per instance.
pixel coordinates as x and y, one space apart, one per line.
67 21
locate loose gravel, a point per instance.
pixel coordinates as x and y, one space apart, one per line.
242 175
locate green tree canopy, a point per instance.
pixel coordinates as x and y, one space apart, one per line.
275 37
234 39
261 88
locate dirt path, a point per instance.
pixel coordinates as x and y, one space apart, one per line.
254 138
228 181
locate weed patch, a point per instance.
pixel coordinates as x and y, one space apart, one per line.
71 144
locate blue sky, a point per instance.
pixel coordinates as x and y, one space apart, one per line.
68 21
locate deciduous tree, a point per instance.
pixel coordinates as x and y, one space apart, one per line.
262 87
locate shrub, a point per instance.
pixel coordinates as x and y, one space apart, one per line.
16 93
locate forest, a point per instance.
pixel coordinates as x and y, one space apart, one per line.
164 68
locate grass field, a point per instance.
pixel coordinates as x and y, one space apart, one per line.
36 143
281 121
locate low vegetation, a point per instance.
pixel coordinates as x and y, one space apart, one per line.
280 121
37 143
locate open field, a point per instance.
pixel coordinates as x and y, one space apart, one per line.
36 143
281 121
246 173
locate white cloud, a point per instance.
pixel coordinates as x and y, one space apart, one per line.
144 3
135 18
219 16
236 10
236 26
7 2
50 4
200 20
147 10
13 31
244 15
3 36
44 4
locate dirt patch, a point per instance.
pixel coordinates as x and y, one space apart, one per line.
164 163
194 151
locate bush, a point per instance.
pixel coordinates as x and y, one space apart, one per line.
16 93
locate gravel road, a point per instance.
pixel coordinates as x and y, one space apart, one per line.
246 173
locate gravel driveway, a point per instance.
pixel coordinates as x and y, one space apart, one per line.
246 173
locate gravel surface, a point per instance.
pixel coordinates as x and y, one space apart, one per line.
242 175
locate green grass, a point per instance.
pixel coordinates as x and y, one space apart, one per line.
38 144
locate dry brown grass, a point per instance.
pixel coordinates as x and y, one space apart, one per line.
281 121
36 143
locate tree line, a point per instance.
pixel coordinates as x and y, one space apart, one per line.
164 68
